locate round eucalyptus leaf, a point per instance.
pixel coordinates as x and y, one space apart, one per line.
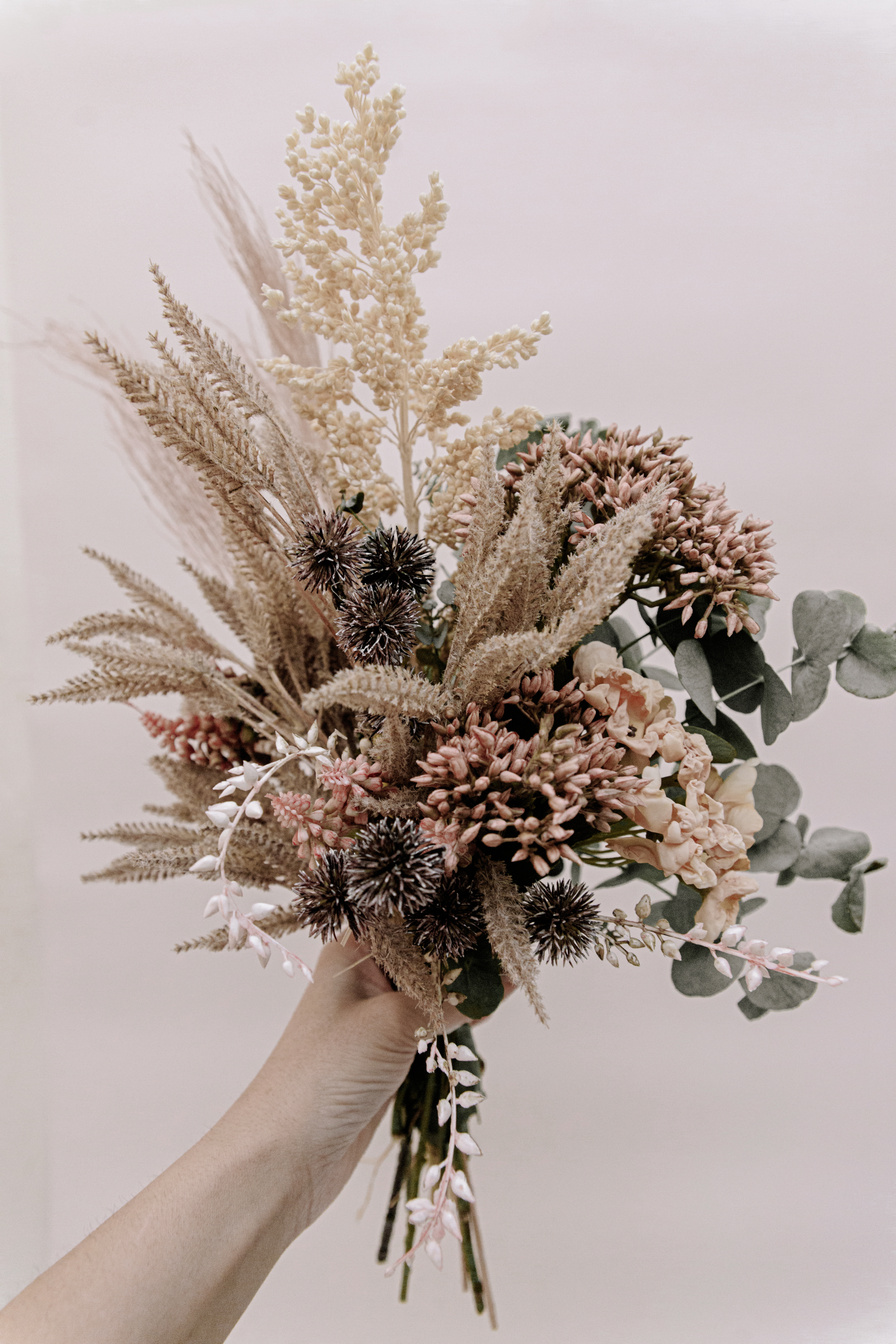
848 911
857 609
779 851
821 625
809 685
776 712
696 974
831 852
775 795
665 679
737 663
780 992
695 675
868 668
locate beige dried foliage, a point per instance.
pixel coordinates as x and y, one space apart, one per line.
399 957
356 288
377 690
277 922
505 922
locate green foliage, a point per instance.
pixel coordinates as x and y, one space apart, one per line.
848 911
479 982
868 668
776 710
640 872
821 625
775 795
781 850
831 852
692 666
696 974
725 729
809 685
749 1009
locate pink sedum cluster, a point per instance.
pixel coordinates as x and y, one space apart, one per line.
325 822
702 841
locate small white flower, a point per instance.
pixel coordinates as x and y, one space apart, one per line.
755 948
443 1111
225 789
450 1222
731 937
721 964
698 931
221 814
254 810
282 746
250 776
431 1177
782 955
260 946
819 965
836 980
262 908
434 1251
466 1078
467 1144
461 1052
288 966
216 906
469 1099
422 1046
461 1186
208 863
753 978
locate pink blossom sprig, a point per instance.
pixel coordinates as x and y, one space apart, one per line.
436 1214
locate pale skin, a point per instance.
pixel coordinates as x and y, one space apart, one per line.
180 1263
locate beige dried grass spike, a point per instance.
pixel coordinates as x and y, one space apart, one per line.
585 593
396 953
380 689
505 922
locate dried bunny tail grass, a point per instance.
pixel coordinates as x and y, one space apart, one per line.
587 590
249 250
394 748
380 689
399 957
505 920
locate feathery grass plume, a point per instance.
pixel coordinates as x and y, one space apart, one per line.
357 290
505 920
393 746
392 869
586 590
323 902
399 558
398 956
379 689
327 556
377 625
562 920
452 922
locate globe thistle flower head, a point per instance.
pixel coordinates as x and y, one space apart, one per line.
452 922
392 869
398 558
328 556
322 899
377 625
562 919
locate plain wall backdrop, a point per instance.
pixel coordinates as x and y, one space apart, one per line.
703 198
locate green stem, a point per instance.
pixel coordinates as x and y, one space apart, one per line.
415 1174
401 1169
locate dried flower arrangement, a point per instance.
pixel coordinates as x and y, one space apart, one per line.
430 768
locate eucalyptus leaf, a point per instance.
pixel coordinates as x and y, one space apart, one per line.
821 625
868 668
725 728
781 992
722 751
446 593
781 850
752 903
758 608
681 910
641 872
776 711
628 641
749 1010
696 974
665 679
603 634
809 685
831 852
775 795
848 911
737 664
857 610
695 675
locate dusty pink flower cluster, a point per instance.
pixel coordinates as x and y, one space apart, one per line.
704 840
204 739
325 822
502 787
699 545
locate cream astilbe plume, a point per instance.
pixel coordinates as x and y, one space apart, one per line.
356 289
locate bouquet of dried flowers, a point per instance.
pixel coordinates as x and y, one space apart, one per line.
425 731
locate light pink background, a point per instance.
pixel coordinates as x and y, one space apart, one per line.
702 197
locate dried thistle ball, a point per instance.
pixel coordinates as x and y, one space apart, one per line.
391 869
562 920
399 558
452 922
322 901
377 625
327 558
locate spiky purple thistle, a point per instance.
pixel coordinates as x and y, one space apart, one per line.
562 919
322 900
327 557
452 921
398 558
392 869
377 625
